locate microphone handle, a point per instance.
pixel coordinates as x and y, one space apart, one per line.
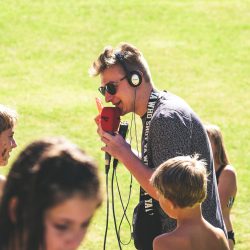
107 159
107 162
123 129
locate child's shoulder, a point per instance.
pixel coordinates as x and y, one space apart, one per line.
168 241
214 231
218 238
229 172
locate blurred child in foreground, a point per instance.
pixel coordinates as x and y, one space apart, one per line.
51 194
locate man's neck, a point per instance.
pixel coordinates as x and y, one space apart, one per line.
142 97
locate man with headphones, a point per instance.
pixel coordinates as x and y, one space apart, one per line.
170 128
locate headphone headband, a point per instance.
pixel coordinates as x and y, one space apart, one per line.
134 77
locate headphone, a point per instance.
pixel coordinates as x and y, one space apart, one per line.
134 77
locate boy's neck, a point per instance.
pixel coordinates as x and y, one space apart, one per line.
189 215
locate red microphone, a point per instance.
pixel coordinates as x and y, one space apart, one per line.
110 120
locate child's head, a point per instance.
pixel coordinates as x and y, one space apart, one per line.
8 118
51 193
182 180
217 143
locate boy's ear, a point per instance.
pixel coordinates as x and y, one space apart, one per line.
12 209
172 204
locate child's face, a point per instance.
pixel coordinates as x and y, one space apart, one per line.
7 143
66 224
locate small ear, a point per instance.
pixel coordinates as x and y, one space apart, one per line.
12 209
172 204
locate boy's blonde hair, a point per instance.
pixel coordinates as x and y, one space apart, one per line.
182 179
8 118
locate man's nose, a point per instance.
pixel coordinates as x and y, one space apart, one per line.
108 97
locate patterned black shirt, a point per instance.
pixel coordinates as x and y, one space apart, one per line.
176 130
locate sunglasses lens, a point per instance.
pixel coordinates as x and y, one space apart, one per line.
102 90
110 88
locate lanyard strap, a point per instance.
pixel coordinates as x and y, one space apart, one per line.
144 196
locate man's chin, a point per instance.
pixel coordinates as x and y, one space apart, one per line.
120 110
123 112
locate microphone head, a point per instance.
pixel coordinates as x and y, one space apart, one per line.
110 119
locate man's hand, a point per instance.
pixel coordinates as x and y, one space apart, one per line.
115 145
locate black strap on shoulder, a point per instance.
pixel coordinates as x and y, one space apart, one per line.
144 196
218 173
230 235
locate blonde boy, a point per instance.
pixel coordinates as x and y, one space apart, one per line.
181 183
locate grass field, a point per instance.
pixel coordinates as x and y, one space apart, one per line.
199 50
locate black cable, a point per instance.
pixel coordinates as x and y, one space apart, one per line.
112 191
133 125
136 138
122 131
124 209
113 208
107 213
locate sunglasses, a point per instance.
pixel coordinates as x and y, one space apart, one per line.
110 87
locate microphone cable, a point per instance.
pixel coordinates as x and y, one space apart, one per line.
122 131
113 207
115 162
124 210
107 209
133 120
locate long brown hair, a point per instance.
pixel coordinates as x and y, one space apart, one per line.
220 155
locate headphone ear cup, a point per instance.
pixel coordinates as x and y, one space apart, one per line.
135 78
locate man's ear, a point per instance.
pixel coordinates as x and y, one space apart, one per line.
12 209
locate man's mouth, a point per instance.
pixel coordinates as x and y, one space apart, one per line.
117 104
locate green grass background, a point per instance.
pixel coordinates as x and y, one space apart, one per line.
199 50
